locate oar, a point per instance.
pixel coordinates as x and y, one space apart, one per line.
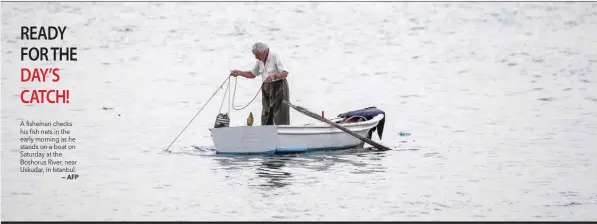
316 116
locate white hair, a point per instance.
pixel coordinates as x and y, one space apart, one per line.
259 47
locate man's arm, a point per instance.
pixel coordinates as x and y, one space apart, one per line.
281 75
246 74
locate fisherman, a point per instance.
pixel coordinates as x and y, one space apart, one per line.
271 68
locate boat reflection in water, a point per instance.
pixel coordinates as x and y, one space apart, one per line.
272 172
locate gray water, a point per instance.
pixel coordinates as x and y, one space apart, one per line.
499 98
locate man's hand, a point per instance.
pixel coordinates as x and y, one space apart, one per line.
235 73
270 78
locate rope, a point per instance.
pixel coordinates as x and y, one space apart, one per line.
229 102
234 95
219 87
224 97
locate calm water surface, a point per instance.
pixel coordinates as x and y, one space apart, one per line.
500 100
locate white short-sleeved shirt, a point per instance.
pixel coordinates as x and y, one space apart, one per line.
273 64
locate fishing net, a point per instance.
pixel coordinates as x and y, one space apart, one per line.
222 120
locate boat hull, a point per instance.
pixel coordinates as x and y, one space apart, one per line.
282 139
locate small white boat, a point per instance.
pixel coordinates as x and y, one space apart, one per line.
282 139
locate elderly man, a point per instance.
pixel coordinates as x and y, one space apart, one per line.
271 68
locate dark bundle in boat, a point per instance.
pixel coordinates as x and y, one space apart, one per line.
364 115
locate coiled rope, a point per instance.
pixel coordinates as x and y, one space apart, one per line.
234 95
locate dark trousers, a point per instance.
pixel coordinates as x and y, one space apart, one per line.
274 111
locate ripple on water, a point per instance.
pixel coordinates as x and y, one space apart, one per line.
432 154
569 193
410 96
126 29
78 109
568 204
548 99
